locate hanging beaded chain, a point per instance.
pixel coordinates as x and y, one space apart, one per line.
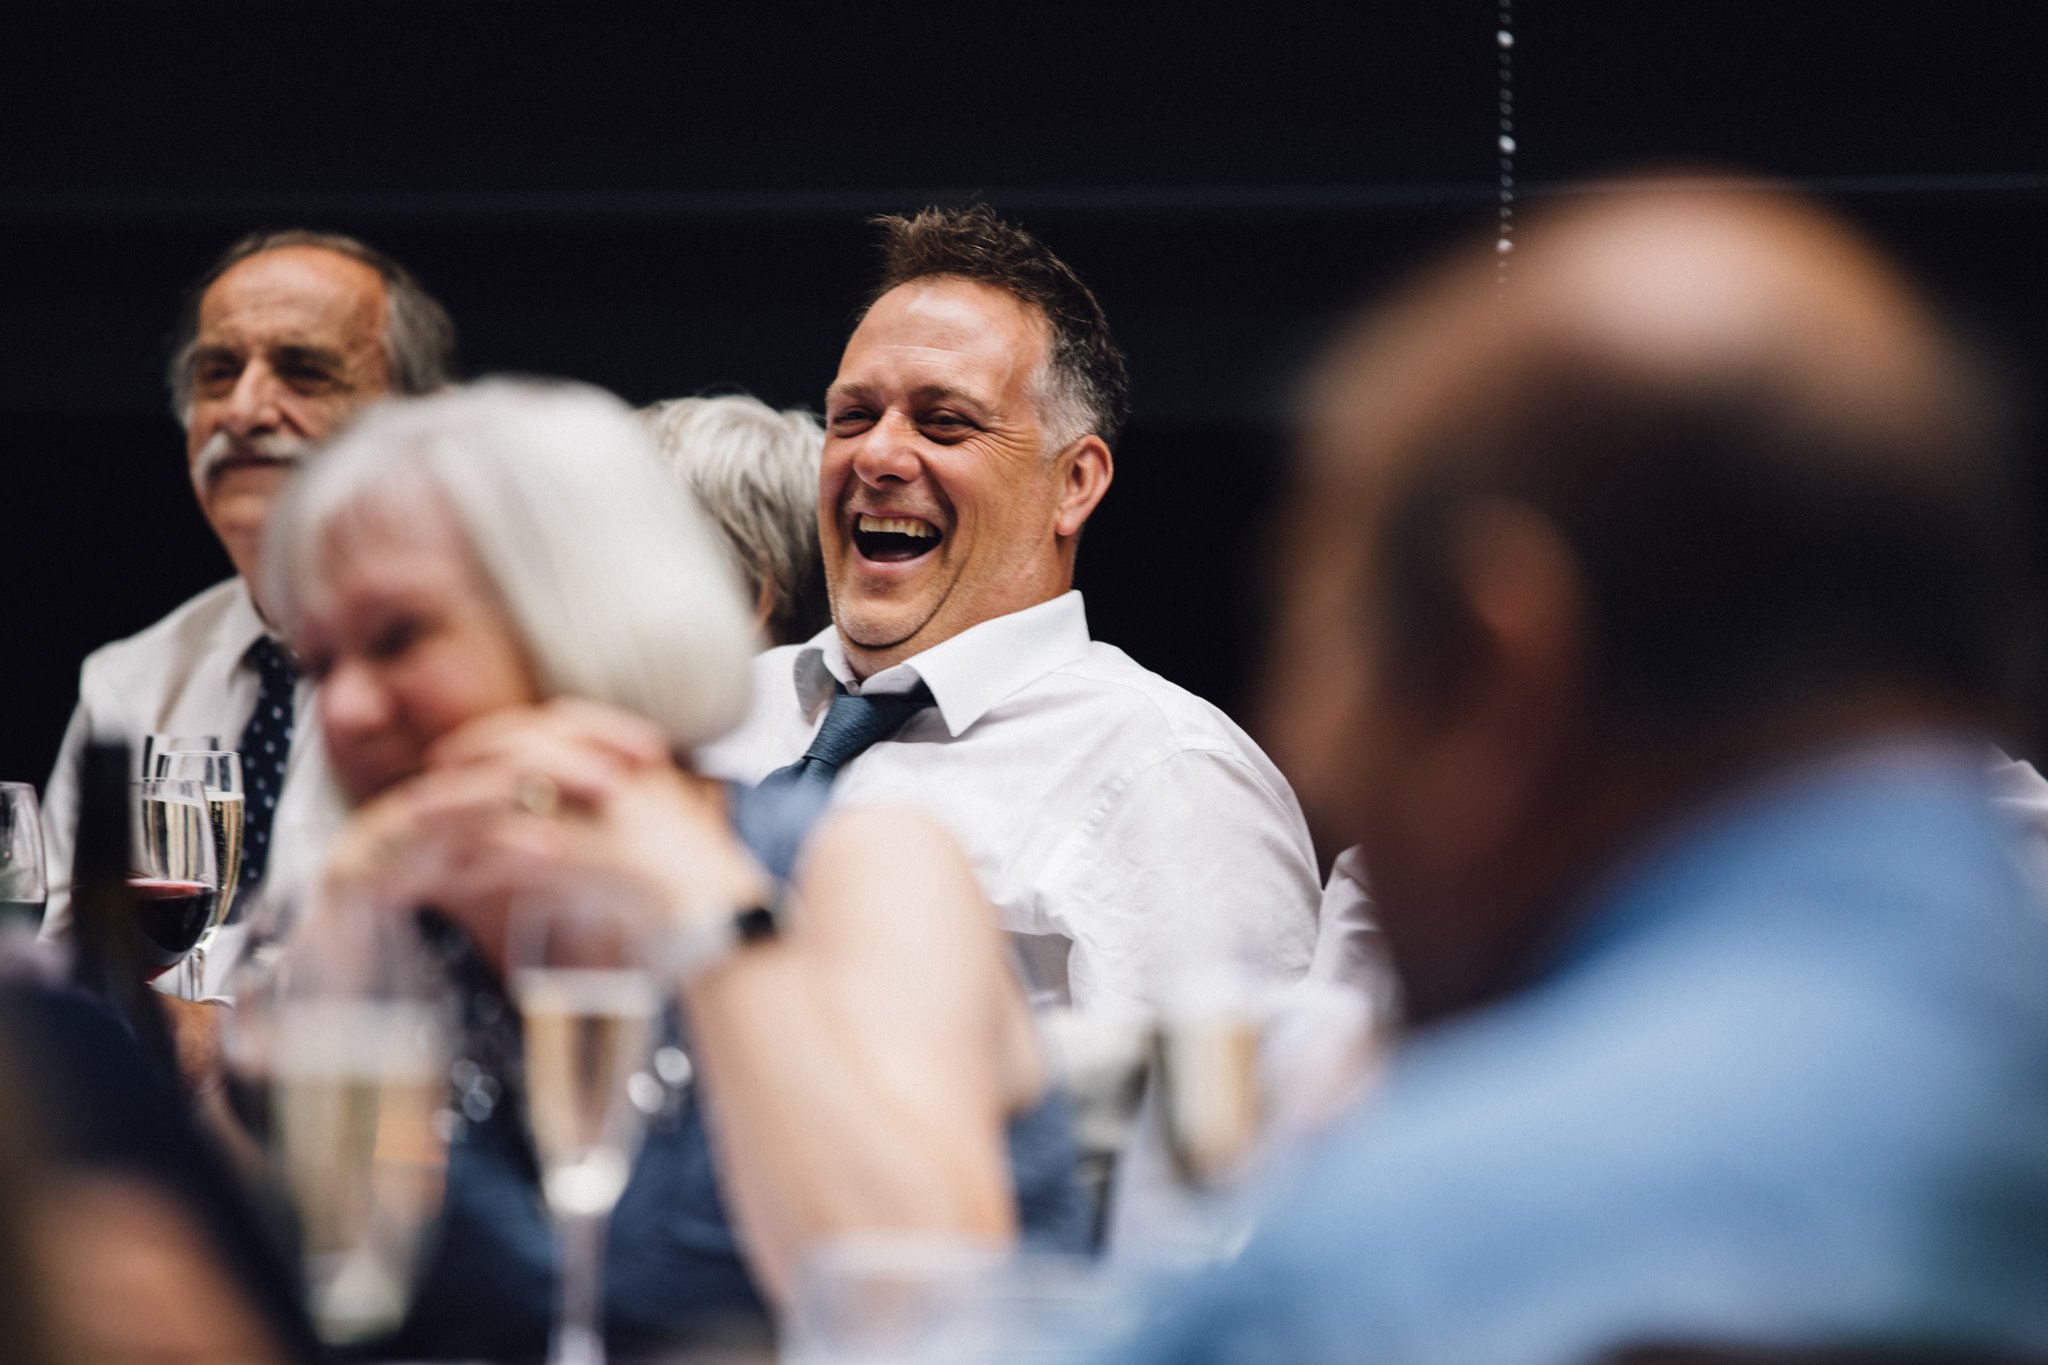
1504 40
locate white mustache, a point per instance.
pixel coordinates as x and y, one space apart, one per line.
271 445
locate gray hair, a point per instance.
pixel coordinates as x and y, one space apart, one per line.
419 336
756 471
616 585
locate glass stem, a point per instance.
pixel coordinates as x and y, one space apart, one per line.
195 972
579 1318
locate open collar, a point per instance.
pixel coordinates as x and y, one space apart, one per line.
968 674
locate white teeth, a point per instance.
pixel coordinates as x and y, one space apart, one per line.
896 526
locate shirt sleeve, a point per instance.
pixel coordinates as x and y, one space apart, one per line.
1191 863
1348 947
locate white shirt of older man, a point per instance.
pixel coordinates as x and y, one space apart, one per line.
188 674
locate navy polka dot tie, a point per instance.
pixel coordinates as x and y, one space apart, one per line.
266 744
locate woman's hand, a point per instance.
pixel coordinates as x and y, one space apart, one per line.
423 842
592 743
559 799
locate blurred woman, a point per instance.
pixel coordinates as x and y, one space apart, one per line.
518 624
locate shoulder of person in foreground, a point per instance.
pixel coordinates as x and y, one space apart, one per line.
1832 1023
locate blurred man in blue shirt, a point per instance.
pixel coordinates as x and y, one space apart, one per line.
1650 620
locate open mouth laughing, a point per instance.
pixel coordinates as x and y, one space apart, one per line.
893 540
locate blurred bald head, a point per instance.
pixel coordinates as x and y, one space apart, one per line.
1704 485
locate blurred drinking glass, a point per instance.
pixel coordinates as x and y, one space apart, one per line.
1101 1060
24 886
174 869
908 1300
874 1299
1206 1069
1244 1075
219 774
358 1032
589 1002
164 741
1322 1050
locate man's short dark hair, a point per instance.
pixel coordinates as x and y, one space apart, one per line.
1088 387
419 337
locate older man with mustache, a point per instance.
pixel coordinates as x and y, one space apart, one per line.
278 344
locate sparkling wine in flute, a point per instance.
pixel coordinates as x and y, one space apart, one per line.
359 1087
182 829
226 809
1208 1092
587 1031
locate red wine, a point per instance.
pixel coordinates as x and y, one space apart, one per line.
173 915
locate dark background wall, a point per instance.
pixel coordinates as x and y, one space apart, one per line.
668 198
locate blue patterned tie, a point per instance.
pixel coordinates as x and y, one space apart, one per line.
266 744
851 726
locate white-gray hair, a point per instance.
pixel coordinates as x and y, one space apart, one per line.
755 470
611 576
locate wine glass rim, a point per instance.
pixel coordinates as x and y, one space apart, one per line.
223 772
185 788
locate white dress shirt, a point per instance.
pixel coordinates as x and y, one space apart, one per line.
187 674
1125 829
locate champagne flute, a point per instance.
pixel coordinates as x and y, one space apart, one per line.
588 1003
1206 1074
24 886
174 869
164 742
219 774
1242 1074
357 1032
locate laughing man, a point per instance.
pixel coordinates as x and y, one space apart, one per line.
1127 831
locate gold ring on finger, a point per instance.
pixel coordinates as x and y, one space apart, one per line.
537 794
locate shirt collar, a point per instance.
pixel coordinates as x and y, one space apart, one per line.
967 674
241 625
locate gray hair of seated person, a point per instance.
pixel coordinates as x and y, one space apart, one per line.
419 336
755 470
612 577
